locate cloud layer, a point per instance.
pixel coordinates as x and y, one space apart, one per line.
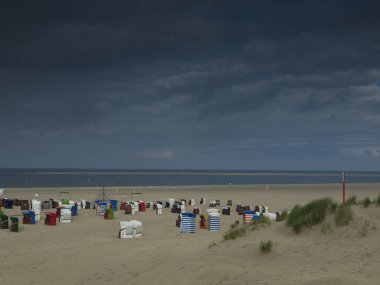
222 84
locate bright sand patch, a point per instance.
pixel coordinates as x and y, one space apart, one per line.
88 250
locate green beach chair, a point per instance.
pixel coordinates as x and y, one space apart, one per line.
14 224
111 214
4 224
65 202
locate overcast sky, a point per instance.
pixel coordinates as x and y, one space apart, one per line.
256 85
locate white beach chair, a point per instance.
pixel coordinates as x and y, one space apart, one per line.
131 229
36 204
271 216
159 209
212 211
137 229
101 208
126 230
37 214
171 202
136 207
65 217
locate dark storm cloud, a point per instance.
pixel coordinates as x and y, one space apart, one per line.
178 81
85 35
78 36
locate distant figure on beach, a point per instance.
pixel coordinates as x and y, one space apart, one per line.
267 186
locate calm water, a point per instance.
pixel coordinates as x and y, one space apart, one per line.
105 177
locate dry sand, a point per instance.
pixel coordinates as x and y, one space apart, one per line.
88 250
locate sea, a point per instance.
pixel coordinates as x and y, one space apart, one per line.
33 178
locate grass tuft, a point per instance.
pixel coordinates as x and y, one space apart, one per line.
233 232
238 230
343 215
351 201
366 202
266 246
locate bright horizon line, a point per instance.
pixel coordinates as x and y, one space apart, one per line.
188 169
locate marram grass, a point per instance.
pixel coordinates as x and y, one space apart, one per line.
351 201
343 215
311 214
366 202
239 230
266 246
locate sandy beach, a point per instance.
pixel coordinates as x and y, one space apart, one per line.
88 250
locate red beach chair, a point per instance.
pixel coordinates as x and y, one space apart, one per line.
51 219
142 207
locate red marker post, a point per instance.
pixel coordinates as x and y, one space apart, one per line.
344 188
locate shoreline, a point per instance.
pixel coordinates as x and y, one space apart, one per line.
192 185
149 187
277 196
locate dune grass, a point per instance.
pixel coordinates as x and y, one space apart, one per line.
266 246
311 214
366 202
238 230
234 232
351 201
343 215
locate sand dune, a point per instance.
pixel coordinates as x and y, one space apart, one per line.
88 250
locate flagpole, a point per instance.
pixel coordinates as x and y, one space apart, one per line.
344 188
